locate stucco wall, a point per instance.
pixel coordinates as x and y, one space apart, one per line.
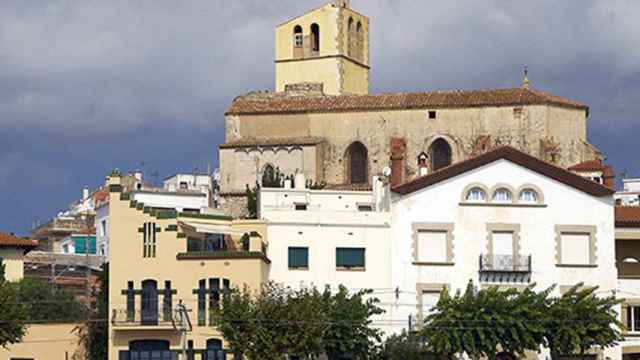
50 342
440 203
13 260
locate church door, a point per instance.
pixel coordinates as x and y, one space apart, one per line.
358 163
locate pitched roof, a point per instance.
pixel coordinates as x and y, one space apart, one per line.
592 165
628 216
280 103
516 156
309 140
10 240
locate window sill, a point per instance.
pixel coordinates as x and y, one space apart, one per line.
428 263
494 204
298 269
576 265
354 269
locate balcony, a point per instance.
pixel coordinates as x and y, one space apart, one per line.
505 264
152 319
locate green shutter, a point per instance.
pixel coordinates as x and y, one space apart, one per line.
298 257
350 257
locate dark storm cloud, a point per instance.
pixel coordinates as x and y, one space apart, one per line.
86 86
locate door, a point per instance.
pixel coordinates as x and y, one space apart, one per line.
214 350
149 303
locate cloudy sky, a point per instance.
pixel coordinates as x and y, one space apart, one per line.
88 86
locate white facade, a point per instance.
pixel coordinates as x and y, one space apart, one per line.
630 193
102 229
439 236
323 223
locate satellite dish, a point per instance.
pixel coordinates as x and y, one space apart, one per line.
386 171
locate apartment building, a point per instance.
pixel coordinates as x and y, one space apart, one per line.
161 258
506 219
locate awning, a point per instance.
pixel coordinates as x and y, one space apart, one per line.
210 228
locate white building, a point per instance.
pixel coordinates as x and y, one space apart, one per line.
630 193
330 238
503 219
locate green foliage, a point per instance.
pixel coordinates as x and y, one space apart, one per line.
2 270
272 178
95 334
245 241
13 315
252 201
579 320
279 320
44 304
405 346
480 322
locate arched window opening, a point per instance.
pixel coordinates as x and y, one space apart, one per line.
528 196
268 176
214 350
502 195
476 195
350 37
315 38
297 37
358 163
359 41
149 303
440 154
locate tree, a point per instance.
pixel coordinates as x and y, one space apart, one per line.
12 313
579 320
404 346
94 334
479 323
44 304
272 178
278 320
252 201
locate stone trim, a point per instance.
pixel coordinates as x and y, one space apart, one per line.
504 228
504 287
432 227
579 230
499 186
337 56
503 205
422 288
534 188
487 193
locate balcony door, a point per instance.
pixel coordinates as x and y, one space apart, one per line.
502 244
149 303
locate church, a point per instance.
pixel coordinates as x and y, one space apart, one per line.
321 120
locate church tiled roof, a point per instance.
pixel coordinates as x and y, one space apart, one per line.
280 103
516 156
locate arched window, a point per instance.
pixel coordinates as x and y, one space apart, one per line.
358 163
502 195
149 303
440 154
268 176
297 37
528 196
359 41
214 350
422 159
476 194
315 37
350 37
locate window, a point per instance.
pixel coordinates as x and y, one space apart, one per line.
148 350
315 37
202 305
422 159
529 196
301 207
633 319
502 195
149 240
432 115
358 163
476 194
298 258
131 302
350 258
432 246
103 228
440 154
184 185
350 37
365 207
575 249
429 301
502 243
214 350
298 38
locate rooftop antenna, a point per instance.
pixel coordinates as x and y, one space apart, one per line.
525 80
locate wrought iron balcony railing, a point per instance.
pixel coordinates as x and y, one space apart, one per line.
142 317
505 263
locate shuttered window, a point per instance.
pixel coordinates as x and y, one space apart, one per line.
149 240
350 258
298 258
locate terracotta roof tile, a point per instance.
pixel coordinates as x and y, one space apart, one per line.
279 103
518 157
10 240
592 165
628 216
310 140
349 187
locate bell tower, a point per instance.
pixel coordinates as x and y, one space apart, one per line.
329 46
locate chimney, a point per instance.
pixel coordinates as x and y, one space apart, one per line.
398 150
85 193
300 181
609 178
138 175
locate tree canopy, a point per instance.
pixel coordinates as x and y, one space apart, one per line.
12 313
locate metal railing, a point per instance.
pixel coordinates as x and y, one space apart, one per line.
140 317
505 263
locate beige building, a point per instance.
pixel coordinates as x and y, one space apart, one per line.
323 122
162 258
12 252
